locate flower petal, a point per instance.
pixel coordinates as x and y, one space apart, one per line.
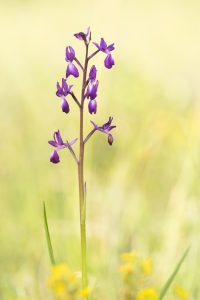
58 138
52 143
103 45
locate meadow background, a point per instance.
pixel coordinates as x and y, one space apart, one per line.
143 193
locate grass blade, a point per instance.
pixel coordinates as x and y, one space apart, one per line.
172 276
49 244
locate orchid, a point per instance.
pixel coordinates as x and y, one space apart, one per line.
89 89
71 68
102 46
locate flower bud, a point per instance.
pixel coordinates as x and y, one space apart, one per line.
110 139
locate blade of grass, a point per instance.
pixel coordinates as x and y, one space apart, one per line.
49 244
172 276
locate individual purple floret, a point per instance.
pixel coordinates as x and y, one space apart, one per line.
92 106
92 89
83 36
106 128
71 68
102 46
58 143
62 92
64 89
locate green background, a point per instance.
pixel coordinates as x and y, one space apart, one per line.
143 192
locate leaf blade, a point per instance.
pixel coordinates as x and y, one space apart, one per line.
172 276
48 238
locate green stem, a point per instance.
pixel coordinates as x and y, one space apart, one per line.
81 180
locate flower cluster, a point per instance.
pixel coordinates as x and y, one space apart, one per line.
89 91
138 280
65 284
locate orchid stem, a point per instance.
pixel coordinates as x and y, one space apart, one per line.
82 200
89 135
78 63
75 99
93 54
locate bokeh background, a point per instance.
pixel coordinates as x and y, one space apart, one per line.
143 193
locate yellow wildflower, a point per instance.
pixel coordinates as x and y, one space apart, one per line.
126 268
147 294
63 282
85 292
146 266
181 293
128 256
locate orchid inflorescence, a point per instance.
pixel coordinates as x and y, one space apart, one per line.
88 92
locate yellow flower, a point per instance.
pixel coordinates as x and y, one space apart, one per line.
126 268
146 266
63 282
61 272
128 256
85 292
181 293
147 294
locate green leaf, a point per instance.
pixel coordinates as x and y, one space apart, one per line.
49 244
172 276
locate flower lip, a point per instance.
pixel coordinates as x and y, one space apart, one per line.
54 158
92 90
65 106
92 106
72 70
109 61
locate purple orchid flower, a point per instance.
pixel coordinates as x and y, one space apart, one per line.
83 36
92 106
64 89
58 143
102 46
62 92
71 68
106 128
92 89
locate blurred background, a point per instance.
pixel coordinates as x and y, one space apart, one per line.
144 191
